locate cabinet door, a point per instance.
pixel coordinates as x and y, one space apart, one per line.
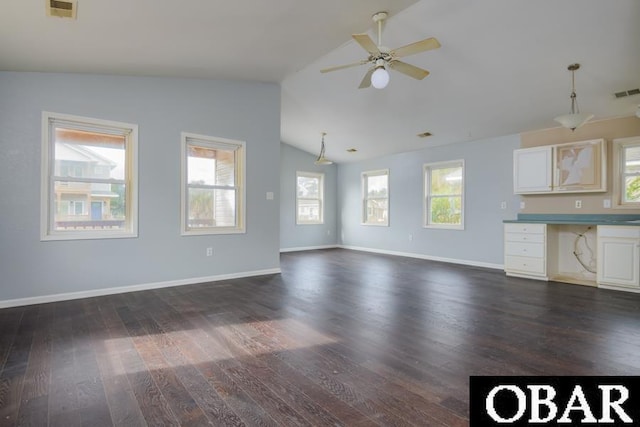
532 172
619 261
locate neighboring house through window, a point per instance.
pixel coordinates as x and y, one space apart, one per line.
375 197
89 178
213 178
444 194
309 198
626 172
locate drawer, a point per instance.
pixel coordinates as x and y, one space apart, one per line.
524 228
535 250
524 264
619 231
524 237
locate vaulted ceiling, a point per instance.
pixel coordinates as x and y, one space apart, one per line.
502 67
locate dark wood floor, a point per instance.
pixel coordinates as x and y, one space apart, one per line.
339 338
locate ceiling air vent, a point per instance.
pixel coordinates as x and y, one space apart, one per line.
424 134
629 92
62 8
351 150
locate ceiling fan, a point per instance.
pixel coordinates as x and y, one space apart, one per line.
384 58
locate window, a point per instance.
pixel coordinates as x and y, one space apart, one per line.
375 194
89 178
444 190
213 185
309 198
626 172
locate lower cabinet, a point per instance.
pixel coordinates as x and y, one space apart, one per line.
619 258
525 250
536 251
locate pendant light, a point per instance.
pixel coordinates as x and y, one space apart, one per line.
575 119
322 160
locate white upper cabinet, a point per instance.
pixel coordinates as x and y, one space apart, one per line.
532 170
575 167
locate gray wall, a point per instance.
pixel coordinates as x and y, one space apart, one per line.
162 108
308 235
488 182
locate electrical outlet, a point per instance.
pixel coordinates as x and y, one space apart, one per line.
269 195
606 203
503 205
410 237
328 232
209 251
521 205
578 204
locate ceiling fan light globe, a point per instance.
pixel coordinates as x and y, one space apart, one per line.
380 78
573 121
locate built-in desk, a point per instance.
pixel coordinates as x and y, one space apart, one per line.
591 250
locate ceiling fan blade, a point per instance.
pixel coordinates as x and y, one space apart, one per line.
340 67
408 69
365 41
417 47
366 80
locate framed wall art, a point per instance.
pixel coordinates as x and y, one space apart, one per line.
580 166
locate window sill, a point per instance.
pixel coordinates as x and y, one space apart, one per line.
445 227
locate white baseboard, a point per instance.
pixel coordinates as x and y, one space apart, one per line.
133 288
308 248
427 257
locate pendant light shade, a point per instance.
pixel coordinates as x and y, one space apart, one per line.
322 160
575 119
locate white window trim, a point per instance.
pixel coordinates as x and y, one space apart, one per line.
363 204
426 194
618 175
240 180
47 203
320 176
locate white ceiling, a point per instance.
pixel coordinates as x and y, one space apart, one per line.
501 68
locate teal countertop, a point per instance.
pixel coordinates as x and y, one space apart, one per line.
591 219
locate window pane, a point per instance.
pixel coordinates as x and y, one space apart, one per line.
308 210
211 208
89 206
308 187
377 186
446 210
377 211
83 154
210 166
632 189
632 159
446 181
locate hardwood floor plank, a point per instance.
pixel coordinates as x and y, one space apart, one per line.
120 399
10 319
34 410
63 397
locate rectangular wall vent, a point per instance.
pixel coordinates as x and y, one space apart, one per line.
629 92
62 8
424 134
